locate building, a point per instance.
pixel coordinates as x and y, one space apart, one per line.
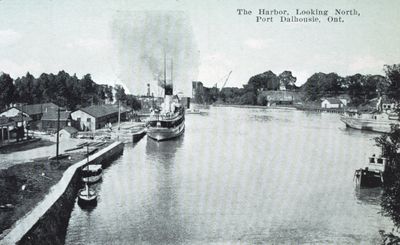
68 132
278 97
197 87
49 120
97 116
35 112
12 128
332 103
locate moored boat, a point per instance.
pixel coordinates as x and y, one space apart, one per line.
169 122
165 126
377 122
372 174
92 173
138 134
87 197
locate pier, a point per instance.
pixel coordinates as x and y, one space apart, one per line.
48 219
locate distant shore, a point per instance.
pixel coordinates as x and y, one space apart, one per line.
290 107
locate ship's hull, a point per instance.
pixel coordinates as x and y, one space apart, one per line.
162 134
381 126
369 179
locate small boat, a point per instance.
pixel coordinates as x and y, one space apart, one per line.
92 173
87 197
372 174
137 135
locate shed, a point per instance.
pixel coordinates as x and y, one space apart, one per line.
331 103
68 132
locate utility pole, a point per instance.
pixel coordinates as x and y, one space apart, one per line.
58 131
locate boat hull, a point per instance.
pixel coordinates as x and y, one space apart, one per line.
87 200
162 134
383 126
369 179
137 136
91 179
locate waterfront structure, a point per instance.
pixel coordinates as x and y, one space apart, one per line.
97 116
279 97
6 124
68 132
34 111
49 120
330 103
197 87
13 128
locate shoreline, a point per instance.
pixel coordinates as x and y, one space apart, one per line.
287 107
23 186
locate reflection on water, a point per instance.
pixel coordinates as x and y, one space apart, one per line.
238 176
369 196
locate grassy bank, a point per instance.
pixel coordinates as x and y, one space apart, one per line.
22 186
24 147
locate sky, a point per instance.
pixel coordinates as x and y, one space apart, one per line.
124 42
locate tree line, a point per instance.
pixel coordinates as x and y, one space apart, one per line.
62 89
360 88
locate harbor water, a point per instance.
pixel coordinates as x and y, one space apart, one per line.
238 175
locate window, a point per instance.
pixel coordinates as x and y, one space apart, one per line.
380 160
89 120
371 160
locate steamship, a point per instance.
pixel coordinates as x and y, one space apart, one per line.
378 121
168 122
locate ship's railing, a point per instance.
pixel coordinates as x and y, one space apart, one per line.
167 116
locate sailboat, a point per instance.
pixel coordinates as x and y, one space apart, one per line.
169 122
87 197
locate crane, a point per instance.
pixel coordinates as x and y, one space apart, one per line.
226 80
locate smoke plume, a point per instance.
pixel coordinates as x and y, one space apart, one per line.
142 39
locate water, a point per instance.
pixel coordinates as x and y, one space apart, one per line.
238 176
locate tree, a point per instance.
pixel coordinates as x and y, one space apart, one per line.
390 144
108 90
321 84
393 74
287 79
132 102
120 94
7 92
264 81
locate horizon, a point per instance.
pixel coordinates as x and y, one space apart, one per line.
120 42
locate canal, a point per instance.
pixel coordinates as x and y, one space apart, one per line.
238 176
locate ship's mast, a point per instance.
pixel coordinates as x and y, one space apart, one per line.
165 73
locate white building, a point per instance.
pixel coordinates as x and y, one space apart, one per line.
97 116
331 103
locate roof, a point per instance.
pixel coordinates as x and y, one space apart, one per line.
5 121
38 108
53 115
19 118
333 101
102 110
70 130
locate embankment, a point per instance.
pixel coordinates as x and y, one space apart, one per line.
48 221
